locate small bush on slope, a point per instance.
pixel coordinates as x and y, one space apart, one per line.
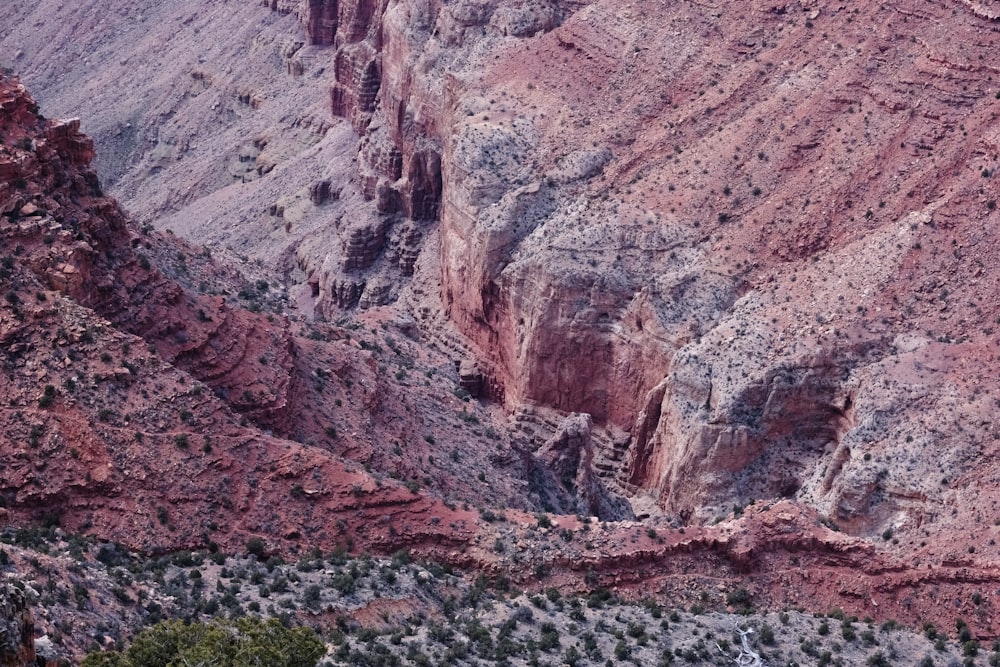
240 643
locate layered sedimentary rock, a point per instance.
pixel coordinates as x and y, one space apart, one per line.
615 200
752 241
752 250
151 413
399 71
151 457
400 169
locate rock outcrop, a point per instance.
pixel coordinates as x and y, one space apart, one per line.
751 240
604 249
563 474
17 648
400 154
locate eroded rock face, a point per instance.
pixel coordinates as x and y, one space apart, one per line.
563 474
717 259
619 225
753 240
166 406
17 635
399 72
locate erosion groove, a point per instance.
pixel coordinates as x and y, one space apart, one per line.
664 298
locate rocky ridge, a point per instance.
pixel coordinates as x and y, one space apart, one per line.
791 321
768 246
119 369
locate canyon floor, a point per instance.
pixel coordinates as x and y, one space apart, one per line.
679 301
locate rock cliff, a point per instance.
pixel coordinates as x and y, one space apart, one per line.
17 637
744 248
750 250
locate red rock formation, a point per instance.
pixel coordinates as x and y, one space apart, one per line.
755 239
100 431
131 381
322 23
401 167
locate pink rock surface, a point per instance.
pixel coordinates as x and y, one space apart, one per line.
753 242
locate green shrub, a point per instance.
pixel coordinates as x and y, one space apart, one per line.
48 397
245 641
878 660
550 637
739 598
256 546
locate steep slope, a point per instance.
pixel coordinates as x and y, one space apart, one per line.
752 241
124 390
731 246
757 252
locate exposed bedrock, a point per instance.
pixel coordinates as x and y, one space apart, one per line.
400 70
562 473
739 262
17 647
813 402
747 288
570 306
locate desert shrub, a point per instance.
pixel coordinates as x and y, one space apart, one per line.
598 598
739 598
550 637
878 660
48 396
245 641
255 546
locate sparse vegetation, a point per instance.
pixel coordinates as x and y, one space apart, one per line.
235 643
477 618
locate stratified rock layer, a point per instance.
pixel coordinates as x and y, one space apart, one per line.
752 241
152 396
754 251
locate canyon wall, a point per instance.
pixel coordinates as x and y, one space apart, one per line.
723 242
751 241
